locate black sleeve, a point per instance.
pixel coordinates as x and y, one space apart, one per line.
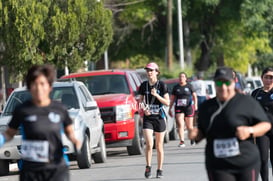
173 90
191 88
205 112
66 118
165 87
16 119
142 88
257 112
255 92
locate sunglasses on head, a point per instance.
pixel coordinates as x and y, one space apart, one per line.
220 83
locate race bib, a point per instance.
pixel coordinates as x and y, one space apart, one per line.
154 109
35 151
224 148
181 102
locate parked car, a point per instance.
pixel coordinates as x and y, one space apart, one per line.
254 82
171 83
116 92
210 87
82 109
172 128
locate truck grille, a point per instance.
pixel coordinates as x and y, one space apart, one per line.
108 114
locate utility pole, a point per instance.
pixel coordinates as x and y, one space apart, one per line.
180 33
106 64
169 35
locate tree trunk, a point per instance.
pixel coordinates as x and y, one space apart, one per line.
187 43
169 36
220 60
203 62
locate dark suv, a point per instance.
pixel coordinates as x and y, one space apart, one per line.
116 94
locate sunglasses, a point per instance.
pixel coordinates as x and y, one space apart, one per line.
220 83
270 77
149 70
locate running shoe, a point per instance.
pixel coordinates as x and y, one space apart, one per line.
181 144
148 172
159 173
192 142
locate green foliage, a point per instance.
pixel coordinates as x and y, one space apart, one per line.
59 32
233 32
264 60
165 73
137 15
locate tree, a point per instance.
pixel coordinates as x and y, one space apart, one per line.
139 28
221 32
59 32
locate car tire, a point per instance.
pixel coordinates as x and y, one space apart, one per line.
173 133
4 167
101 156
137 147
84 158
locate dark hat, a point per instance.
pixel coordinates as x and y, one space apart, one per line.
223 73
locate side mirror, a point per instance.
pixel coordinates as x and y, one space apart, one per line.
90 105
248 85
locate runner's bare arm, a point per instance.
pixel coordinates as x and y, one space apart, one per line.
173 97
69 131
9 134
164 100
196 135
244 132
195 101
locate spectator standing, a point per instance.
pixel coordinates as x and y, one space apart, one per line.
154 94
264 96
230 122
41 121
199 86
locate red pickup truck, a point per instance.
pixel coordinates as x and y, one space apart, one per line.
116 94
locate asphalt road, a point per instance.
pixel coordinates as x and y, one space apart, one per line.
185 164
180 164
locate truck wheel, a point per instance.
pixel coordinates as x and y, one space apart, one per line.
173 132
84 158
4 167
101 156
138 141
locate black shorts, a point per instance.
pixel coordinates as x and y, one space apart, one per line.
60 173
246 174
188 111
156 123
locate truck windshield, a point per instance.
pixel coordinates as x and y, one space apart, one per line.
106 84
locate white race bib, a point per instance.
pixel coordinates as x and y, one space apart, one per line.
224 148
181 102
154 109
36 151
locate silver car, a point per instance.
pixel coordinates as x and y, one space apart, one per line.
82 109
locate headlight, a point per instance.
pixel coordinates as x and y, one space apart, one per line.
123 112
